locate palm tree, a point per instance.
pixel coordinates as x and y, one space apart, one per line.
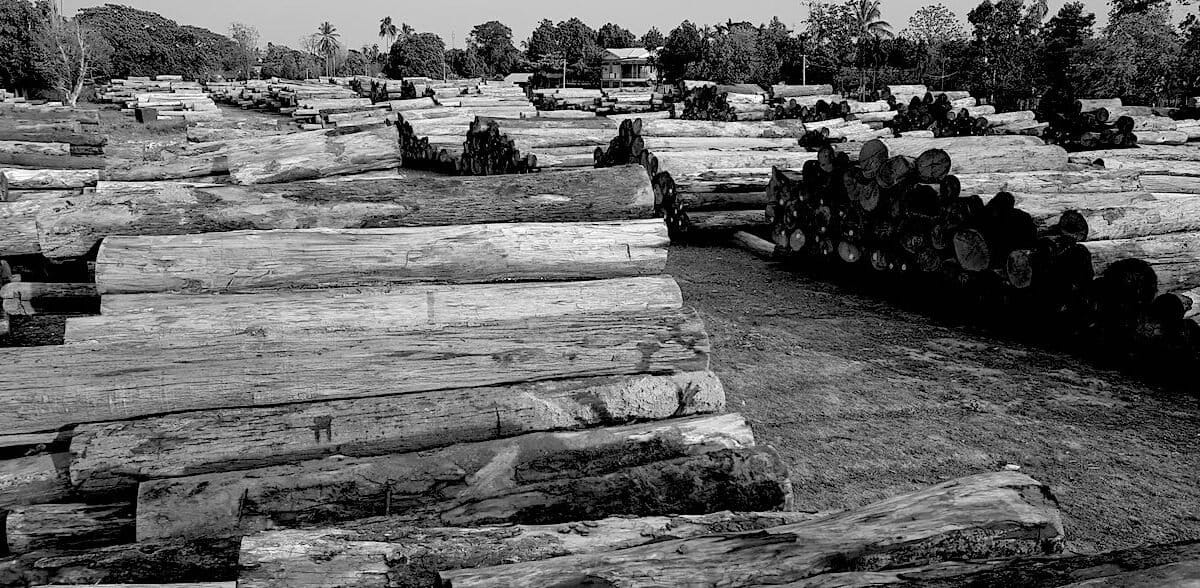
868 21
388 30
328 44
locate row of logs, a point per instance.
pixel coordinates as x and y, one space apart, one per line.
898 214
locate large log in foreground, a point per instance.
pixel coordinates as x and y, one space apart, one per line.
192 561
700 465
73 228
988 515
109 458
249 260
382 553
99 382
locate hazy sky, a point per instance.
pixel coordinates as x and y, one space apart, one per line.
358 20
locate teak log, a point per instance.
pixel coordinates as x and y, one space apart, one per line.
67 526
694 162
192 561
1121 215
378 553
89 382
345 312
540 478
37 160
1153 166
250 260
37 298
1156 152
698 128
1175 257
57 149
35 479
1050 182
46 179
167 208
988 515
109 458
1170 184
19 236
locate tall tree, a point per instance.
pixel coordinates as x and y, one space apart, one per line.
144 44
543 41
682 55
611 36
1063 40
869 21
653 39
1135 58
492 50
19 30
417 54
387 30
1189 56
246 38
1007 51
70 50
328 44
933 24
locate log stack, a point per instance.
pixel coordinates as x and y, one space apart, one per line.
50 137
743 102
488 352
630 100
1084 259
566 98
1094 124
505 146
434 132
282 96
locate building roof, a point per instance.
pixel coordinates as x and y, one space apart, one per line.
518 78
624 54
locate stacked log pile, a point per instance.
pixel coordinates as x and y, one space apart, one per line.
704 101
163 97
50 137
281 96
434 131
1108 124
1085 259
956 114
566 98
508 352
313 114
506 146
630 101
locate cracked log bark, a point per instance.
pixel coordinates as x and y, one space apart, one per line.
695 162
73 228
45 179
41 298
971 155
989 515
34 479
380 553
1152 566
697 465
193 561
55 386
19 220
67 526
1050 182
1174 257
110 458
248 260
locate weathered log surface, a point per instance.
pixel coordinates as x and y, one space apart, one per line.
541 478
1049 182
379 553
195 561
47 179
1152 566
37 160
754 244
19 220
1154 166
247 260
989 515
694 162
282 315
1121 215
698 128
50 387
111 457
37 298
1156 152
974 155
170 208
1170 184
180 585
58 149
67 526
1175 257
36 479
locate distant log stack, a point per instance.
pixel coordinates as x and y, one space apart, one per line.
50 137
1102 272
744 102
566 98
165 96
630 101
1092 124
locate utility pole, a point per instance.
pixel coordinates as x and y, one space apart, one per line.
564 82
804 69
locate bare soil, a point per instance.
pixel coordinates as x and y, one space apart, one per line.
866 399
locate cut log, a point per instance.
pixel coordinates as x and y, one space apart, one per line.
54 196
991 154
1155 152
1175 257
194 561
35 479
754 244
1049 182
377 553
47 179
249 260
19 220
311 314
182 585
145 209
55 386
37 298
34 136
1121 215
657 144
699 128
786 91
56 149
694 162
1170 184
39 161
67 526
722 220
1007 118
1153 166
988 515
1148 137
109 458
542 478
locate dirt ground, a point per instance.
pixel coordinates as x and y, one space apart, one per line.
866 400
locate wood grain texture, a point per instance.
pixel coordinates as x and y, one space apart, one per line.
40 298
109 458
247 260
150 563
46 179
380 553
19 219
283 315
693 162
1050 182
67 526
541 478
173 208
36 479
51 387
1120 215
988 515
1175 257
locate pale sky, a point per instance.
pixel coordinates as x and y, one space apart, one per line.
358 20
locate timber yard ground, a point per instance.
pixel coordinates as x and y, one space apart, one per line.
866 399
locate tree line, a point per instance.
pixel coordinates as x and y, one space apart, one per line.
1012 51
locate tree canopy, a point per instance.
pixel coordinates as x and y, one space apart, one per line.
416 54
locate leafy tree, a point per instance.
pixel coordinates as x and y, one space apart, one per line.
387 30
1064 50
328 44
653 39
543 41
1135 57
611 36
1189 56
416 54
1006 53
144 44
869 22
729 55
577 41
682 55
828 40
246 38
1119 8
287 63
18 46
465 63
491 50
206 54
70 51
354 63
933 24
